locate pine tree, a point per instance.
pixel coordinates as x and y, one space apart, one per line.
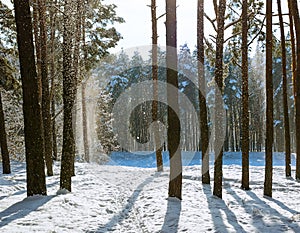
36 183
269 102
3 141
158 148
218 174
285 95
202 94
47 126
107 139
69 86
175 183
296 18
245 99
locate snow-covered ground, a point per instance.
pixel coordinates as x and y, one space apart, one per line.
130 199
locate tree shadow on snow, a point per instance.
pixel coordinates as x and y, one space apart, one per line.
127 209
249 206
216 207
21 209
275 215
172 216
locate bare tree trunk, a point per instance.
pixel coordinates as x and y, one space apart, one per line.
37 44
245 99
69 93
202 94
84 123
296 18
285 96
36 182
293 45
84 112
47 127
158 148
54 138
175 183
3 142
53 17
218 173
75 67
269 102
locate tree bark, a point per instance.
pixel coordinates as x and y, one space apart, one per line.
175 183
296 18
218 173
53 17
68 149
3 142
269 103
202 94
84 123
285 96
245 99
293 47
36 182
47 127
158 148
84 112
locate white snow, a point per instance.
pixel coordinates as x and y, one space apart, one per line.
129 199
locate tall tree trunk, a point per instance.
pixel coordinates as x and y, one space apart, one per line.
218 173
175 183
36 182
84 112
37 40
47 127
296 18
245 99
76 68
293 46
202 93
285 96
3 142
68 149
53 18
269 102
84 123
158 148
54 138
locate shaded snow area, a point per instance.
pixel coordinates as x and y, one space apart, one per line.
129 199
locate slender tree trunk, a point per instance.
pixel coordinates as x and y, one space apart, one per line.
37 44
285 96
158 148
76 68
231 130
202 94
53 17
175 183
296 18
269 102
69 84
47 127
3 142
226 143
245 99
84 123
84 112
54 140
36 182
293 45
218 173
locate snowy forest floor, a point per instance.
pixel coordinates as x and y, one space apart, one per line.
129 199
